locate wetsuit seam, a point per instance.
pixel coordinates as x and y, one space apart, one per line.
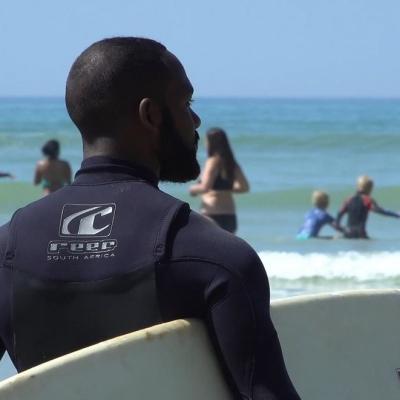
156 241
211 281
148 263
206 261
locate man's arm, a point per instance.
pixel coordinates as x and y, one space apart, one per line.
239 318
215 276
234 303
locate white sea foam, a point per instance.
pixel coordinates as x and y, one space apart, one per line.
342 265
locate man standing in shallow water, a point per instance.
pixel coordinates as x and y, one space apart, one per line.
111 253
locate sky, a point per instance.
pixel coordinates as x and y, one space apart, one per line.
230 48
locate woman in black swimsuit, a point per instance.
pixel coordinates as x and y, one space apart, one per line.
221 177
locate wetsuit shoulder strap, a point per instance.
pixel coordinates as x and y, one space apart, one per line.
160 245
11 241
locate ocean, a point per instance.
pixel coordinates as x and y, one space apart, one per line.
287 148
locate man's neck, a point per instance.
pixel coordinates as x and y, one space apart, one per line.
109 148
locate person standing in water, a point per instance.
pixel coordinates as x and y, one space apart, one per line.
317 217
6 175
357 208
221 177
52 172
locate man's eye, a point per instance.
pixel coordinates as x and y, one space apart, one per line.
190 102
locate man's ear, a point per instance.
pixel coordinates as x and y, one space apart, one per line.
150 114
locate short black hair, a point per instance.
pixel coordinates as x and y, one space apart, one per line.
51 148
109 78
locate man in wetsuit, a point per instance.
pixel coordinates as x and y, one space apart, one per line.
357 208
111 253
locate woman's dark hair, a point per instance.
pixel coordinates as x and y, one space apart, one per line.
218 144
51 149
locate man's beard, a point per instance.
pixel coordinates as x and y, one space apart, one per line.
178 163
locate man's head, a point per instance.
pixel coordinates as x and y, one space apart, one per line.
130 98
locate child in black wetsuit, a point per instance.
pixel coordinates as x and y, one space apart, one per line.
357 208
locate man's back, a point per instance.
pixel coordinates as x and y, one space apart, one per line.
111 254
81 263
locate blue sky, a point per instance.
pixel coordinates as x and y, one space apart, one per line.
260 48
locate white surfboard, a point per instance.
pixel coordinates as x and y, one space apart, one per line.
338 346
343 346
172 361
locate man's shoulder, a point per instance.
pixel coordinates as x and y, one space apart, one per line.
197 237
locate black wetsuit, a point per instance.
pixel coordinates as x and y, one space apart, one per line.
110 254
357 208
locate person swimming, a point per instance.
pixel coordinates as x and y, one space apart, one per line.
317 217
357 208
6 175
52 172
221 177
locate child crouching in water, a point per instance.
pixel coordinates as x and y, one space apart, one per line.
316 218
